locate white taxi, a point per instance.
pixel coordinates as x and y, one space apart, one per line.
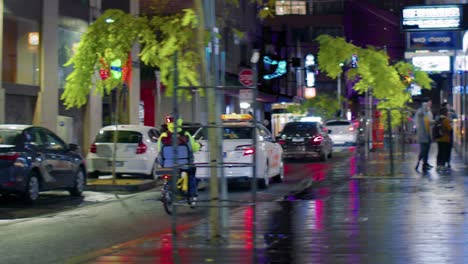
136 151
238 151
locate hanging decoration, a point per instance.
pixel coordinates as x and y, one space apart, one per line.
116 69
104 69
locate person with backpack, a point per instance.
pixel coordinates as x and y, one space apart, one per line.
443 138
183 138
423 121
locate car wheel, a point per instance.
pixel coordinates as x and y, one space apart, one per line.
31 193
264 182
280 176
78 184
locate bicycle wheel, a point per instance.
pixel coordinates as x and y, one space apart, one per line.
167 199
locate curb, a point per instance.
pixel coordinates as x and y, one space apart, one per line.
121 185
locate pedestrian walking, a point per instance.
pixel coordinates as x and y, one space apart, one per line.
423 120
451 115
444 141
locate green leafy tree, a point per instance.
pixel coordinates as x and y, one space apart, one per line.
374 72
321 105
112 36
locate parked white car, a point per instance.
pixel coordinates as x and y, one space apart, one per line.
238 151
136 151
342 132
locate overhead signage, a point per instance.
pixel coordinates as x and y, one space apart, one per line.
432 17
432 63
411 54
430 40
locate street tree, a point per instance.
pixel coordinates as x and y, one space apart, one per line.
322 105
371 70
111 38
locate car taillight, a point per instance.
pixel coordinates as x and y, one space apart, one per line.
93 148
11 156
166 177
247 149
141 148
351 128
317 140
281 142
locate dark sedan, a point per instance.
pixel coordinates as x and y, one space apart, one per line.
34 159
305 140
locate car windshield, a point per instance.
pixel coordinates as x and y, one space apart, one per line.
8 136
230 132
338 123
300 127
123 136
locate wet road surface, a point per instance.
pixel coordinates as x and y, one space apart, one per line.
355 213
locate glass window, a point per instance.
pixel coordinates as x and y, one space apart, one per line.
339 123
21 53
231 132
52 141
70 32
264 133
300 127
153 135
288 7
9 136
124 136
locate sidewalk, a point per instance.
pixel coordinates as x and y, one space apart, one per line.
372 217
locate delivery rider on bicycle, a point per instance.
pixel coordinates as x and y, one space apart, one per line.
184 138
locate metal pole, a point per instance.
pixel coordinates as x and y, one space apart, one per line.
209 7
366 118
158 99
338 94
390 140
254 61
175 166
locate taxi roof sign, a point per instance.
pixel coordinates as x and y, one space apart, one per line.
236 117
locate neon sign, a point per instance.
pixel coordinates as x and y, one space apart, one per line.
280 68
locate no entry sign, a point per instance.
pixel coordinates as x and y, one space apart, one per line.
246 77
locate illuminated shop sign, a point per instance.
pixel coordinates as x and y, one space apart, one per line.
432 63
434 40
436 17
279 67
309 63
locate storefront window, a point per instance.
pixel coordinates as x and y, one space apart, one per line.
68 42
21 51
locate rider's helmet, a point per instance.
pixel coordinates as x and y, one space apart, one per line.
171 119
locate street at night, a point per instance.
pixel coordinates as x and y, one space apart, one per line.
234 131
343 216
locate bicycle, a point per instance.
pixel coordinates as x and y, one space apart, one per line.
182 191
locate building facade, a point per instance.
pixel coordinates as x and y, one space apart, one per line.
36 43
292 33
